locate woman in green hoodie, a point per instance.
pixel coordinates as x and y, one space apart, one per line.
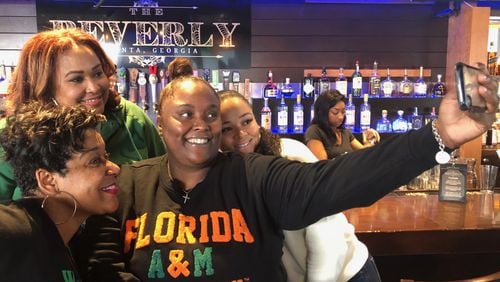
69 67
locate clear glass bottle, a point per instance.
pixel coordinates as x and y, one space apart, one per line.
265 115
439 89
308 86
374 83
282 116
298 115
416 119
384 125
357 82
406 86
270 89
420 86
350 114
388 86
365 114
341 82
400 124
324 82
287 89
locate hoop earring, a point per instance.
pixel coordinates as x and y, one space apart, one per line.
75 206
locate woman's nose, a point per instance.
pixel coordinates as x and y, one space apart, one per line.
92 85
112 168
200 124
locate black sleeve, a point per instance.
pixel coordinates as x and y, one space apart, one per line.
297 194
98 251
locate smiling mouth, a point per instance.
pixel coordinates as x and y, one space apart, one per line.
111 189
243 145
92 100
197 141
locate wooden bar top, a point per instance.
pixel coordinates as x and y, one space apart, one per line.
424 212
415 236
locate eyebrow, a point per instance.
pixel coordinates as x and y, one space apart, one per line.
80 71
86 151
242 116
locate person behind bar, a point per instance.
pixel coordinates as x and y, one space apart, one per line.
327 250
326 136
61 165
199 214
69 67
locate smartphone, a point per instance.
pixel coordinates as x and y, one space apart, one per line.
467 88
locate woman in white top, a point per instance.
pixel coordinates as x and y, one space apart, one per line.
327 250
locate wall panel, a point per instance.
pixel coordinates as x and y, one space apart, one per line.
291 37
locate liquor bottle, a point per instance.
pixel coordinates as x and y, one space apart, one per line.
286 89
270 89
416 119
374 83
432 116
357 82
420 87
341 82
492 59
406 86
282 116
324 82
388 86
265 115
308 86
365 114
350 114
383 124
439 89
400 124
298 115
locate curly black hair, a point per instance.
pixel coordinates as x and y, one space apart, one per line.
45 136
269 143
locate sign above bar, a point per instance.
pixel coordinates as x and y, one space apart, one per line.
213 34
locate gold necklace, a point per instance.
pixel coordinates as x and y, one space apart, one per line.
186 192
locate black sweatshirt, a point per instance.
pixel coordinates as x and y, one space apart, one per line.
230 227
31 248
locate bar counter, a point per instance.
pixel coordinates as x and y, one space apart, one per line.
415 236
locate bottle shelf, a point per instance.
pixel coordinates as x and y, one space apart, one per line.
368 72
392 105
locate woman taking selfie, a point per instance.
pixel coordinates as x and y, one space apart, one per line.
198 214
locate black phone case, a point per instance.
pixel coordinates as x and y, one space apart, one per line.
465 101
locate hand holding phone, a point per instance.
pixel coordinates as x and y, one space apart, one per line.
467 88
